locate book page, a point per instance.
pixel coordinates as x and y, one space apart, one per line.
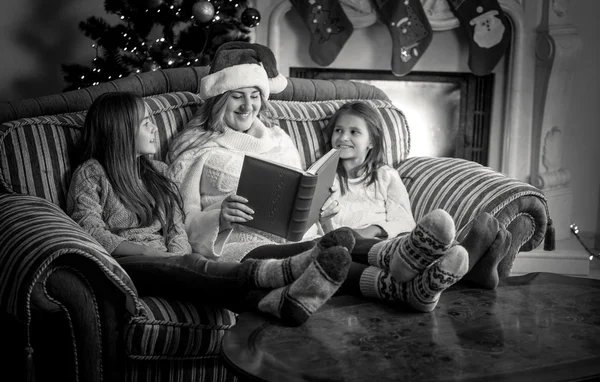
322 162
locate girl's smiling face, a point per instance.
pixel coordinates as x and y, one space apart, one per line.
351 136
242 108
144 140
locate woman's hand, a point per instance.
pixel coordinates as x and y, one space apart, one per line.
234 210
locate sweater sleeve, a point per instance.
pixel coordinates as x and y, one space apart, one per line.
89 192
399 217
176 238
202 226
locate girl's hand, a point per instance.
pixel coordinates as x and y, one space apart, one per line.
331 207
234 210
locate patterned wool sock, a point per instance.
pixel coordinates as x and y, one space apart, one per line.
423 292
485 271
409 254
274 266
295 303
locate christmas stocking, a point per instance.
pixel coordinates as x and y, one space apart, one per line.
410 30
328 25
487 29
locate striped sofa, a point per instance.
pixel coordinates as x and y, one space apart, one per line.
69 312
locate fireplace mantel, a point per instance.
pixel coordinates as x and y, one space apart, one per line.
533 83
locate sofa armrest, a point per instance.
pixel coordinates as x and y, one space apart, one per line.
35 235
49 266
464 189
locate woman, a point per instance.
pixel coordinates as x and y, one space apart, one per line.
206 160
123 199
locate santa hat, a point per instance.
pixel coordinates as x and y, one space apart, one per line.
234 66
277 81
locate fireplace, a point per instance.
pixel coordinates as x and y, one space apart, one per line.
530 91
449 114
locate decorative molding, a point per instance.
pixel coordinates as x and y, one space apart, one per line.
561 7
557 47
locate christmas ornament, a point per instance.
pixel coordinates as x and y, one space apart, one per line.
250 17
150 65
328 25
410 31
153 3
487 29
203 11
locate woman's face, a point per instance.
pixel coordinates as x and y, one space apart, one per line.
242 108
144 141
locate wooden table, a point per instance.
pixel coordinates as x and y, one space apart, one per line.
536 327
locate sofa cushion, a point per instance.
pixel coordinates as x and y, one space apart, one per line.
171 329
34 152
306 123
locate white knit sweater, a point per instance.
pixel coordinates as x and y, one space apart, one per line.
208 173
385 204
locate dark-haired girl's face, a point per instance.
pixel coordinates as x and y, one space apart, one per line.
351 136
145 139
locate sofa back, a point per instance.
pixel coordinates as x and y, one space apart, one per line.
35 151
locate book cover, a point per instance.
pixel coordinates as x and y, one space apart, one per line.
286 201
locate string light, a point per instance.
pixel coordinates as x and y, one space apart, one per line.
575 231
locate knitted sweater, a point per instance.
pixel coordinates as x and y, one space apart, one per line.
94 205
385 204
209 172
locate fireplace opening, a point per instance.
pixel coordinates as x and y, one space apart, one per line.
448 114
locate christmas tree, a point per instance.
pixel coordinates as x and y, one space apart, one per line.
157 34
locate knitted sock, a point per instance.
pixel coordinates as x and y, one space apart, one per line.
362 247
480 236
407 255
487 29
295 303
423 292
410 31
343 237
277 265
328 25
485 271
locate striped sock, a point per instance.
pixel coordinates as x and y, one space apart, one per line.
407 255
423 292
295 303
280 271
275 273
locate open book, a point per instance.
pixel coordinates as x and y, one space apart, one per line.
286 201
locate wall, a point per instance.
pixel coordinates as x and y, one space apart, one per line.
582 145
39 35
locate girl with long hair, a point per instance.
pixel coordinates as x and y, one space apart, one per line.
123 199
374 202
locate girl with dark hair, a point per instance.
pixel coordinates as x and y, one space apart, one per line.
123 199
374 199
374 202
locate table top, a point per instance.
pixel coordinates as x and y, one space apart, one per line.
539 326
